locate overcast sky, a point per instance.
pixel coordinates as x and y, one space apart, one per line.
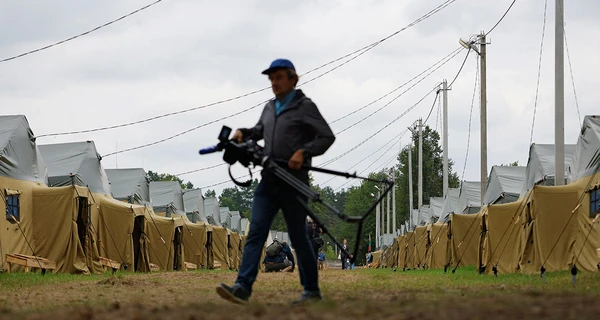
180 54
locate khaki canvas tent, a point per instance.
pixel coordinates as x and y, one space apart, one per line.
561 224
212 212
504 184
22 169
502 246
193 201
220 246
469 199
437 254
112 221
465 230
129 185
421 246
541 165
167 197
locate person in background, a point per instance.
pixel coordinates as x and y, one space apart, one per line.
321 260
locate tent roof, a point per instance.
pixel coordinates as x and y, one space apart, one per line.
587 150
450 203
193 201
470 196
505 182
75 163
126 183
20 157
540 165
163 193
212 212
436 204
236 224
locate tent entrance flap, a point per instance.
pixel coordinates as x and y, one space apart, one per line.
84 220
178 260
138 230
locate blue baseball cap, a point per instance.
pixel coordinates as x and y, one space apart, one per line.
279 64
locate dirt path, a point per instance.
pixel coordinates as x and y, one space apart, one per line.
348 295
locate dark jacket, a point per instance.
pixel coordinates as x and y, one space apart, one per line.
285 252
299 126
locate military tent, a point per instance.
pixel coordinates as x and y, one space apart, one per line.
130 185
504 184
439 246
465 239
541 165
212 211
450 203
167 197
193 201
469 199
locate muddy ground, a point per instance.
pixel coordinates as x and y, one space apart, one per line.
355 294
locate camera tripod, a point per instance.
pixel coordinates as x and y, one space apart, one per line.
274 167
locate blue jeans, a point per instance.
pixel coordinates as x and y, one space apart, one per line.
269 197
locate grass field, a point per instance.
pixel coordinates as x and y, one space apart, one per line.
352 294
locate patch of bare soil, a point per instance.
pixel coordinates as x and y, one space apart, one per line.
191 295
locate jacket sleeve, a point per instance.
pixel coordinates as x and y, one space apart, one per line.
324 137
290 256
255 133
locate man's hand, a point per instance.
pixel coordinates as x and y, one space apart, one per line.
238 136
296 160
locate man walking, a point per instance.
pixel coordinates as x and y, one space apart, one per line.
294 130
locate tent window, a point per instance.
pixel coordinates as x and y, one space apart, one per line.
12 208
594 202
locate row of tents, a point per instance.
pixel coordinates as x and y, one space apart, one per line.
525 223
62 205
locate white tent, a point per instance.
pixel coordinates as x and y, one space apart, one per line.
132 185
193 201
469 199
20 157
587 150
225 217
504 184
541 165
436 204
450 203
212 212
167 196
75 163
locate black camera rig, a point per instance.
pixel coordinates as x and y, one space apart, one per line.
249 152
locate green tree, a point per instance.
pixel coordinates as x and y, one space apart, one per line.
512 164
432 172
210 194
155 176
239 198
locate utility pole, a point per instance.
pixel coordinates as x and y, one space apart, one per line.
394 203
445 138
388 218
377 214
420 164
559 95
410 186
482 56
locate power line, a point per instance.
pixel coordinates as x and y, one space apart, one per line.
385 164
397 88
437 93
378 131
374 152
470 117
358 53
459 70
228 181
501 18
81 34
537 87
398 96
443 61
572 80
201 169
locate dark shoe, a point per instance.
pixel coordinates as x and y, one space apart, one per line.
308 297
236 293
